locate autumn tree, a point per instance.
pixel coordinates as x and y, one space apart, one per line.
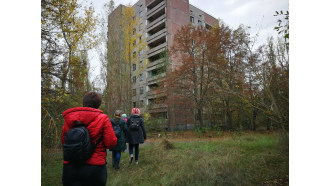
192 79
211 72
125 44
67 32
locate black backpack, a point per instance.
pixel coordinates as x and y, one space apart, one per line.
135 124
116 128
77 145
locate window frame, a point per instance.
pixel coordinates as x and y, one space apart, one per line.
192 19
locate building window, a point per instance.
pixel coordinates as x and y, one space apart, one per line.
134 104
141 90
140 77
140 13
192 19
199 23
140 38
134 31
134 79
207 26
134 92
140 64
134 67
134 43
134 54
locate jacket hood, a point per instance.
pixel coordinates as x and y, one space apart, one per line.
135 116
83 114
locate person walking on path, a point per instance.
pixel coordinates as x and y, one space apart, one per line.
136 133
120 127
92 171
124 116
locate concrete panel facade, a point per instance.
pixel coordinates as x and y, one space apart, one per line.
159 22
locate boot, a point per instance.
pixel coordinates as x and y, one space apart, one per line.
117 165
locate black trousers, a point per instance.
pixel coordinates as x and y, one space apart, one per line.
130 149
84 175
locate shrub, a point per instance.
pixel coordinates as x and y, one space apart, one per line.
155 123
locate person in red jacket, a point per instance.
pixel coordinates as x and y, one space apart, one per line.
93 171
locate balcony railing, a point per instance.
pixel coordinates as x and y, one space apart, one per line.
159 47
155 9
157 106
156 36
158 92
155 77
156 22
156 64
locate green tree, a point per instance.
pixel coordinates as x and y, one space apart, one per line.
67 32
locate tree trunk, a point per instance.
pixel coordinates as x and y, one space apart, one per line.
254 116
229 116
200 116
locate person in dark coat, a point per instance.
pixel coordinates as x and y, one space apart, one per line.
121 142
136 133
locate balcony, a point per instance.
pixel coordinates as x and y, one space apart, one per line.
156 49
153 3
158 106
156 36
156 77
155 9
156 22
156 64
156 93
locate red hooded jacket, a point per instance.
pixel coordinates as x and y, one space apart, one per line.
96 123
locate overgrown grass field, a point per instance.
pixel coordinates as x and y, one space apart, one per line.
232 159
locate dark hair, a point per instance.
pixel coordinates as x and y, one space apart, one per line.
92 99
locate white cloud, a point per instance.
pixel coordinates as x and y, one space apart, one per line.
229 2
242 10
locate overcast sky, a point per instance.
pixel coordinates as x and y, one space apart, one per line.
258 14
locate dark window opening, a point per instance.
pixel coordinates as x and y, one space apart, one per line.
191 19
199 23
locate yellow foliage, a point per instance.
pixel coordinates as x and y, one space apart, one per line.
146 116
130 29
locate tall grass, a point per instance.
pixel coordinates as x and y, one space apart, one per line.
247 159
